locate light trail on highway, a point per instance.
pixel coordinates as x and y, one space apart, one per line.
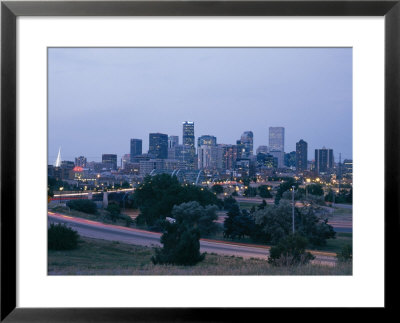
98 230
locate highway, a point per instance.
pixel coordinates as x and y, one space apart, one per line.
103 231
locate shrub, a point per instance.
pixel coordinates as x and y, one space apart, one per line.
114 211
346 254
217 189
61 237
86 206
290 251
238 223
181 246
157 195
192 214
264 191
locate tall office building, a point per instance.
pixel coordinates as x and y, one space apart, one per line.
207 157
262 149
301 156
206 140
277 138
247 141
173 141
240 149
188 142
136 148
290 159
323 160
126 158
109 161
158 145
226 157
176 152
277 144
80 161
347 167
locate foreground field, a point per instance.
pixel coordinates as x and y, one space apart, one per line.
100 257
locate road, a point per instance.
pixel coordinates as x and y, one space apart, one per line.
103 231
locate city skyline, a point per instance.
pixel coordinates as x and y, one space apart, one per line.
121 94
179 141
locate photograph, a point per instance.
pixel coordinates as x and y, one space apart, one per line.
200 161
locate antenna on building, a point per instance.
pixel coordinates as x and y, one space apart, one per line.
58 160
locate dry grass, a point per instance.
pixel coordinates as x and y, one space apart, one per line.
100 257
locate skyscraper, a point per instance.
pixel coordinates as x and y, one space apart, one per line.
126 158
323 160
206 140
277 139
80 161
158 145
207 157
174 149
136 148
262 149
247 141
173 141
347 167
301 156
277 144
109 161
226 157
188 142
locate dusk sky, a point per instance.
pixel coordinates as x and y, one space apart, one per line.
100 98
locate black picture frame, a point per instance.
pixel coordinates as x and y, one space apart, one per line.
10 10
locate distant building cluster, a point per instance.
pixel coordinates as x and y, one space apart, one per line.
204 158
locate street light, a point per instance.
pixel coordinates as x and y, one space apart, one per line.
293 208
61 189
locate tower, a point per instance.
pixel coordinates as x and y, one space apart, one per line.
158 145
136 148
277 144
58 160
189 148
301 155
323 160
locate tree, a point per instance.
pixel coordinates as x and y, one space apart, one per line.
181 243
285 186
290 251
114 211
217 189
157 195
246 181
55 184
229 202
275 223
262 205
264 191
192 214
61 237
346 253
315 189
125 184
86 206
238 223
250 192
344 196
313 224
